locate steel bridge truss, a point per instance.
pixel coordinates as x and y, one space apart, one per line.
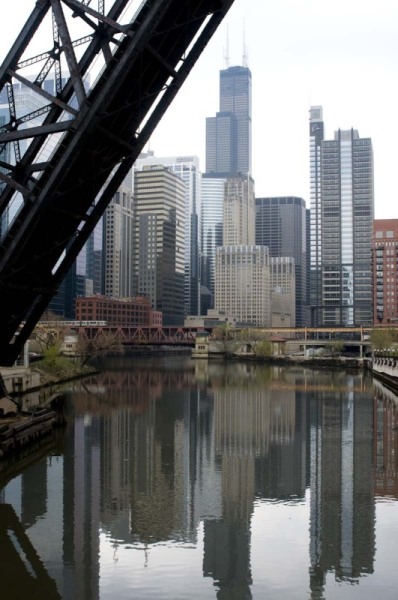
74 130
139 336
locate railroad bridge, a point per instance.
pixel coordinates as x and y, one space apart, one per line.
117 66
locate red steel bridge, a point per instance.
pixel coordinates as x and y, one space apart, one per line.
105 73
141 336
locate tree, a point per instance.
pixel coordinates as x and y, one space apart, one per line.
263 348
49 332
222 332
337 347
102 345
382 338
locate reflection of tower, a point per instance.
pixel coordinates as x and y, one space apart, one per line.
259 419
239 434
82 510
342 497
159 484
280 472
34 493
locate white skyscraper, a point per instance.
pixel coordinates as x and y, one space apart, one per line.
187 168
159 240
239 212
118 245
242 275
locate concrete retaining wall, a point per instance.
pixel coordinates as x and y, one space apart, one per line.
19 380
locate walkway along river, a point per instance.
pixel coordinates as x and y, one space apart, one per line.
181 479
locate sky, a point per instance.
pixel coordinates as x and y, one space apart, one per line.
342 55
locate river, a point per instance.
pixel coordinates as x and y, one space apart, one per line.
180 479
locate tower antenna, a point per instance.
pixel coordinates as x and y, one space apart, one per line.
226 50
245 59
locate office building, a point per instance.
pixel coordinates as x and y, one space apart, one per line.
212 228
242 270
281 225
118 244
238 211
242 286
385 271
342 207
316 139
283 291
187 168
229 133
159 241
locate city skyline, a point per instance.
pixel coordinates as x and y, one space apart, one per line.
297 54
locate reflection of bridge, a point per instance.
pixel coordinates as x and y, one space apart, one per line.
61 164
23 574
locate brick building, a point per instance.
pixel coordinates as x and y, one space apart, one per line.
128 312
385 271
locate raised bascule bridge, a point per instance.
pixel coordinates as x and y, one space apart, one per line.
105 72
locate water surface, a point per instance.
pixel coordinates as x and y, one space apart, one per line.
179 479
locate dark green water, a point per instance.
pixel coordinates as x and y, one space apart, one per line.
179 479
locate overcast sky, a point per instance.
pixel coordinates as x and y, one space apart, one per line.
342 55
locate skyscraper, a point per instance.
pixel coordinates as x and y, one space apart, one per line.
316 138
242 273
283 291
239 211
187 168
212 227
228 155
342 207
118 244
229 133
158 257
281 225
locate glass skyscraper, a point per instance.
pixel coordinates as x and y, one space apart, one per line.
212 227
281 225
342 211
229 133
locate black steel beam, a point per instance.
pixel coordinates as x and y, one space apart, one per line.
109 131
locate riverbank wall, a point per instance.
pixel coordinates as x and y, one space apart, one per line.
23 424
26 429
385 368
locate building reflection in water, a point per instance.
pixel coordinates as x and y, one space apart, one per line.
342 521
152 453
386 442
